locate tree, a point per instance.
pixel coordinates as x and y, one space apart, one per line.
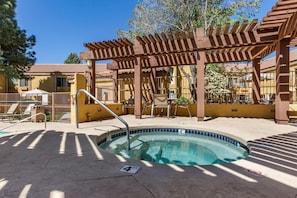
16 54
215 81
155 16
72 59
148 17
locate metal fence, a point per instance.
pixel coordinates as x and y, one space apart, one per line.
239 86
55 110
126 87
239 89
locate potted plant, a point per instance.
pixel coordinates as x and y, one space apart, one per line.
183 101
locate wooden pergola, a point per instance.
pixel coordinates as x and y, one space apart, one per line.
248 41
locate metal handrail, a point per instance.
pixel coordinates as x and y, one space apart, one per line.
40 113
106 108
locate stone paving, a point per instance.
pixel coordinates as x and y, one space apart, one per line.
64 161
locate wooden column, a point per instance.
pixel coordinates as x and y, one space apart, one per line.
200 87
115 85
200 78
282 99
256 81
138 90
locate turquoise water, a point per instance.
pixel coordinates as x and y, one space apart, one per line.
185 149
1 133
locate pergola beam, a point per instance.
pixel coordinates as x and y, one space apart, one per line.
180 43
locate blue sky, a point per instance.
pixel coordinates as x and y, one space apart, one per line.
62 26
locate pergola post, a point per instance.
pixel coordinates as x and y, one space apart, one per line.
200 88
138 90
200 64
282 99
115 85
256 90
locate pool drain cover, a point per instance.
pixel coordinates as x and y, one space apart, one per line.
130 169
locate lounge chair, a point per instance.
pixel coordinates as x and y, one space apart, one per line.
28 110
11 112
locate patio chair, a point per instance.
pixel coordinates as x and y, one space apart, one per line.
183 106
183 103
160 101
11 112
147 103
127 104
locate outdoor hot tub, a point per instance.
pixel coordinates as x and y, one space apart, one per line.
180 146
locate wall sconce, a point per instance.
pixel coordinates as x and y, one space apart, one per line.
89 63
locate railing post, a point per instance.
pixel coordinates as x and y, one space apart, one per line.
106 108
40 113
53 107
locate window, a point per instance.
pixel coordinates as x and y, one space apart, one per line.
24 82
232 82
62 82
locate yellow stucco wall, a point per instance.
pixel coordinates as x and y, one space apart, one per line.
79 82
182 84
92 112
240 110
88 112
43 82
232 110
225 110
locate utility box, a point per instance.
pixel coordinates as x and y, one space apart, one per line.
37 109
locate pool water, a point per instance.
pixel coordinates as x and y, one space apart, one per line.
177 148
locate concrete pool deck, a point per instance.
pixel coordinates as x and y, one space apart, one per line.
63 161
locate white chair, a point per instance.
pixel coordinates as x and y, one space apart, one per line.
11 112
28 110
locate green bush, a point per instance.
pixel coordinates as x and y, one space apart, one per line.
183 101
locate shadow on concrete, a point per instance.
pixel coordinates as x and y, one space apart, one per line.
58 164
